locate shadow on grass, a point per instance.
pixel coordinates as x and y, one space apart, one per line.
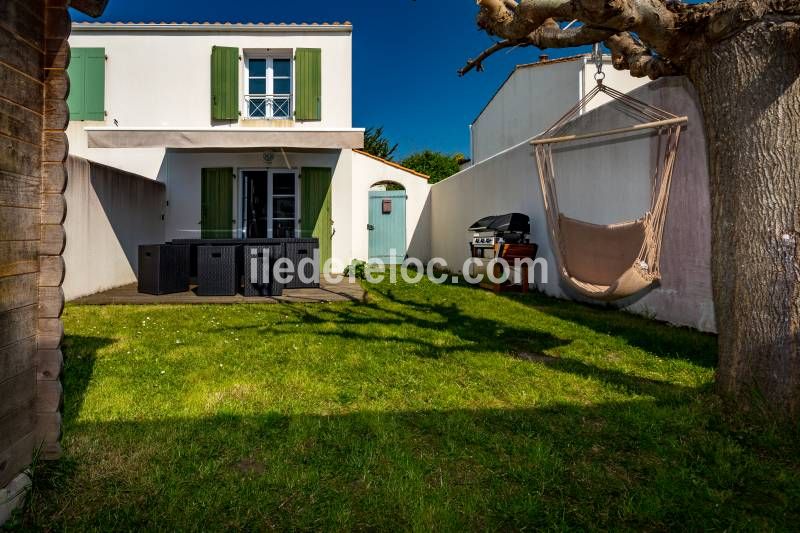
80 353
481 334
638 464
658 338
477 334
663 460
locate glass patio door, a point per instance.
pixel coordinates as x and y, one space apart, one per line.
256 192
271 204
284 205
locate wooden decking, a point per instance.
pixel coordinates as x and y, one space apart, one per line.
344 291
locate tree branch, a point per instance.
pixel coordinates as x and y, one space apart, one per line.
671 31
477 63
496 18
628 54
534 22
548 35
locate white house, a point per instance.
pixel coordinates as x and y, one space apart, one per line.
249 127
534 96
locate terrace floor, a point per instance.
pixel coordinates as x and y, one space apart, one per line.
342 291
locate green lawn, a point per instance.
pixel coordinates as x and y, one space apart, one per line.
427 408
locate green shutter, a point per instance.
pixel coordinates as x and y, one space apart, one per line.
315 208
87 77
224 83
308 101
77 77
216 203
95 84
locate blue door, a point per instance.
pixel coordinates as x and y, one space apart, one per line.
387 226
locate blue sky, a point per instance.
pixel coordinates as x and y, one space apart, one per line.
405 57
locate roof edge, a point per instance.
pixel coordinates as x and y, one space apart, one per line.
392 164
254 27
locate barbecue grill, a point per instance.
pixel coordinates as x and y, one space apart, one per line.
511 228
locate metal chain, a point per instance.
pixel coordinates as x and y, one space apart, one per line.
597 56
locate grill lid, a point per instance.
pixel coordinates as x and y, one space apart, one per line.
508 223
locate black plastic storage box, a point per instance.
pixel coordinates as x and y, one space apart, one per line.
296 251
163 268
219 271
261 283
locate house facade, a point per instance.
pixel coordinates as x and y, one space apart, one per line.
248 126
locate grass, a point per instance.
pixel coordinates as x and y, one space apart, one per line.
430 407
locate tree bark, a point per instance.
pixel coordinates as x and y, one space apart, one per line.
749 87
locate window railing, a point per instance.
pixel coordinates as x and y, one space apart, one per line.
275 106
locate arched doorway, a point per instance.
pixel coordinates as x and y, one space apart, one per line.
387 223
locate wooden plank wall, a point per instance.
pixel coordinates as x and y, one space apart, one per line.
52 238
33 58
21 119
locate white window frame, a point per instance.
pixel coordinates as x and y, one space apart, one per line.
269 56
270 196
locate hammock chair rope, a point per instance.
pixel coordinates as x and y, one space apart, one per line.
644 270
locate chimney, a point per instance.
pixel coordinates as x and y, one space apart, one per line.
543 57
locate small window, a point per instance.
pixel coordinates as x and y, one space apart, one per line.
269 87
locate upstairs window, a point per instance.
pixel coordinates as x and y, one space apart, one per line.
268 89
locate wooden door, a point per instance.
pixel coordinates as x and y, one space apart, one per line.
387 226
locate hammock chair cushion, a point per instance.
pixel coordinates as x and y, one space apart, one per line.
600 261
599 255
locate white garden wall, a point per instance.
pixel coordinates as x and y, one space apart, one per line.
109 214
602 183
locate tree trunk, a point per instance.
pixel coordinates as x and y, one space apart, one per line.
749 87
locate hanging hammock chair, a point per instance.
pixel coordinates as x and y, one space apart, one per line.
610 262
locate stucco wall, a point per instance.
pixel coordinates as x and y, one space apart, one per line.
534 97
182 174
353 175
603 182
162 78
109 214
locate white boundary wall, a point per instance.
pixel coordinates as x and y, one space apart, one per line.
602 183
109 214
